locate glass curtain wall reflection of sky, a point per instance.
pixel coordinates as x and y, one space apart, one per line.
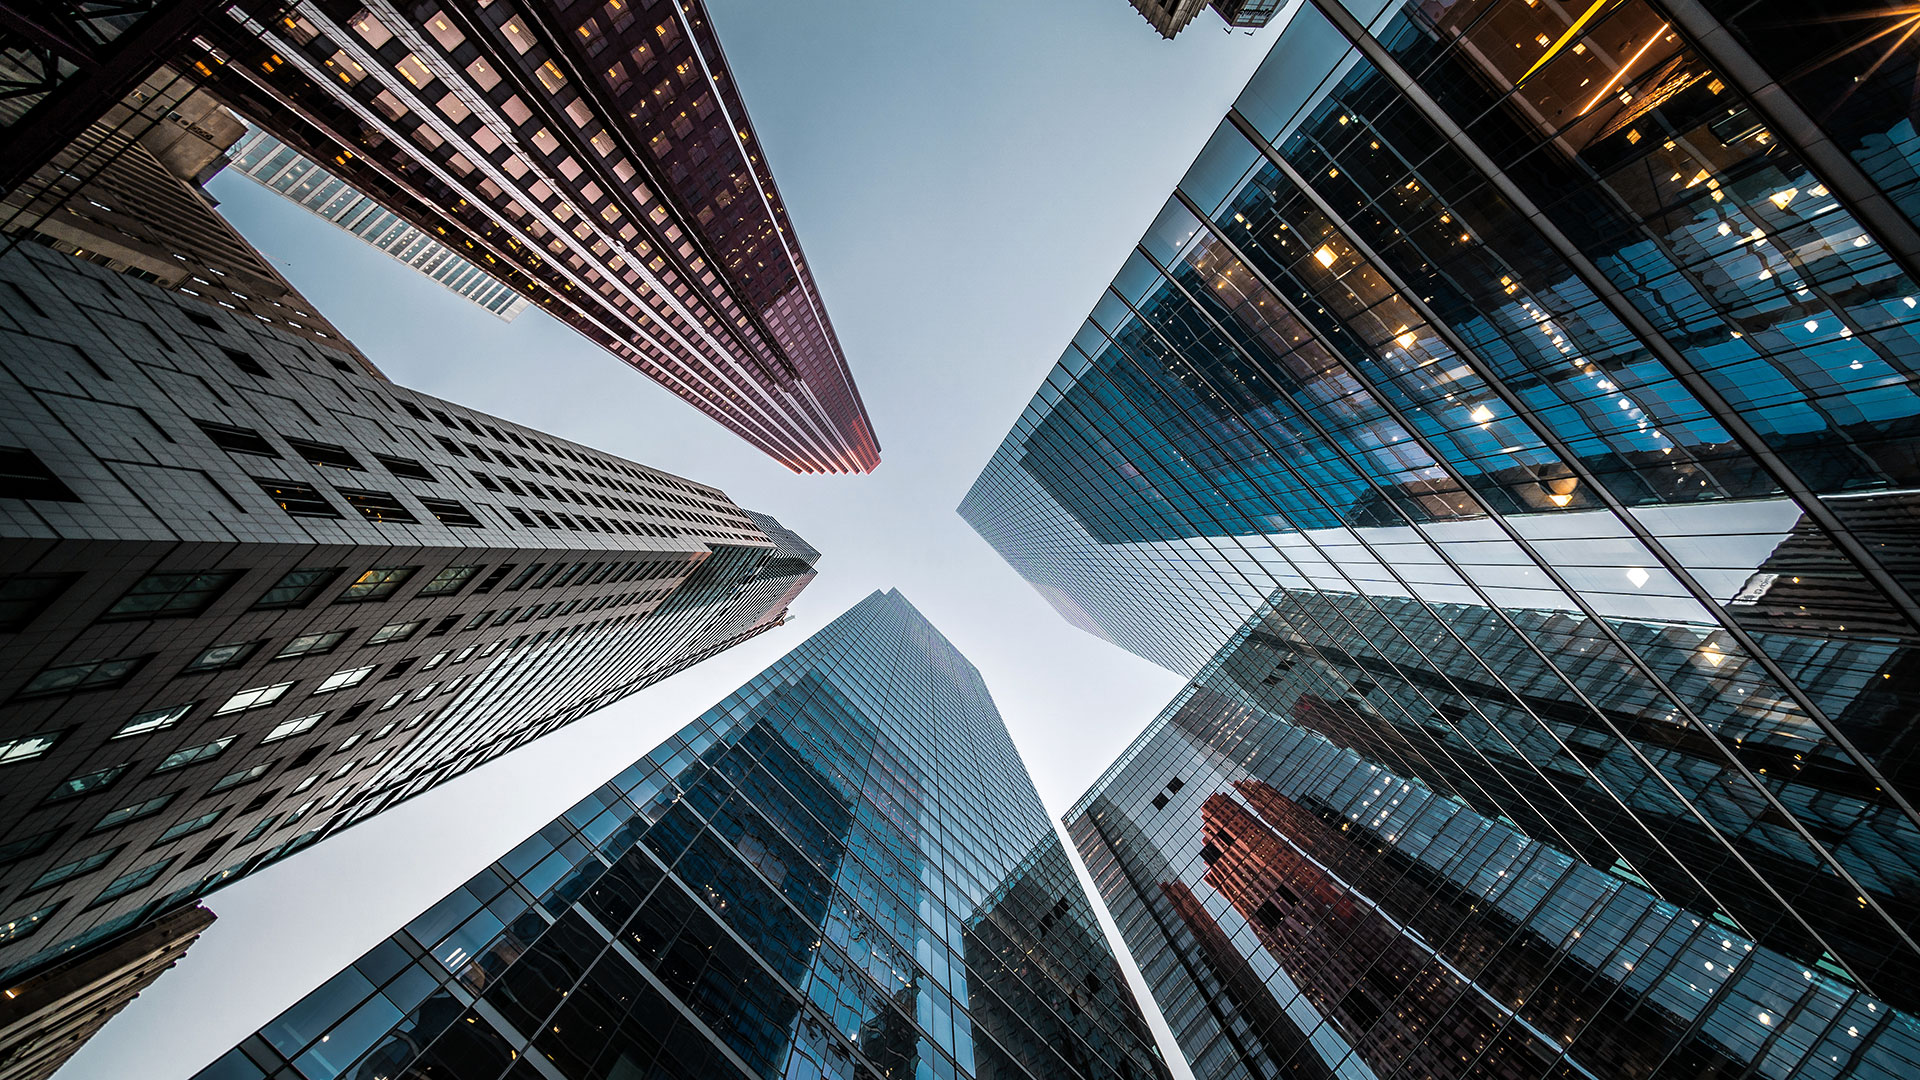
1513 371
841 870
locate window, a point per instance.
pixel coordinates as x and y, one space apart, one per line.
493 579
450 446
450 580
341 680
232 654
326 455
87 783
258 697
133 813
377 505
74 869
286 729
398 669
312 645
398 631
297 588
189 826
507 616
260 829
452 513
194 755
300 500
237 440
407 467
24 476
154 720
445 626
28 747
24 596
73 678
376 584
246 363
28 846
244 776
21 927
127 883
161 596
438 659
477 621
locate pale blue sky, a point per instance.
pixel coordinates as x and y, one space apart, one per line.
965 179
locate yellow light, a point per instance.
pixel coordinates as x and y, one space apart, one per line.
1324 256
1782 197
1481 414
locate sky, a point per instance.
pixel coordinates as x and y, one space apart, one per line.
965 179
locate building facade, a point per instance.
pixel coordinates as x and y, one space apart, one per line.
597 158
252 594
280 168
1172 16
1546 370
127 194
1305 905
840 870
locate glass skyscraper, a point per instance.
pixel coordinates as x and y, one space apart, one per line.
1529 386
841 870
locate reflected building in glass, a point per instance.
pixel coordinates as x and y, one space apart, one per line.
1530 389
841 870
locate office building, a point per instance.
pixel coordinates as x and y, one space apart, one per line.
251 593
50 1010
1172 16
1547 373
279 167
597 159
126 194
840 870
1301 909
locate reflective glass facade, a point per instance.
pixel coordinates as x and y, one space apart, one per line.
1545 370
842 870
1303 905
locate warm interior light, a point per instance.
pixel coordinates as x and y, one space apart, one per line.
1324 255
1782 197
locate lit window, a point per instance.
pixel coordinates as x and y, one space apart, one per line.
154 720
413 70
517 35
289 728
28 747
379 506
258 697
377 584
449 580
340 680
550 77
444 32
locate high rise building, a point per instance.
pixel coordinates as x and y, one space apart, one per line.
840 870
1172 16
1546 372
279 167
596 158
126 194
49 1010
1302 904
251 593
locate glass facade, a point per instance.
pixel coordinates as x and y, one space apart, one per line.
841 870
1539 376
1303 904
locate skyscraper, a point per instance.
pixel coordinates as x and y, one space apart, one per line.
840 870
1301 909
1172 16
279 167
596 158
1532 386
251 593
